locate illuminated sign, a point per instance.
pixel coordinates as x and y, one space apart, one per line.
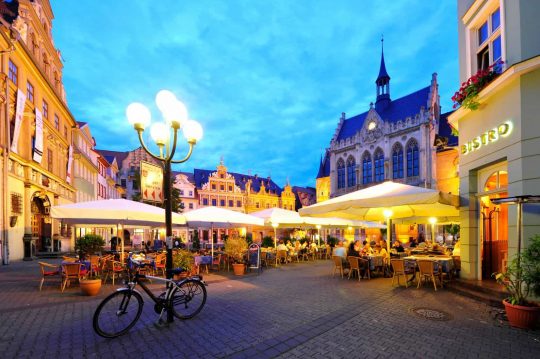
487 137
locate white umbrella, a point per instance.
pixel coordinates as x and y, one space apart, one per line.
402 200
114 212
215 217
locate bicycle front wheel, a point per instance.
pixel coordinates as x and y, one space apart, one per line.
118 313
188 299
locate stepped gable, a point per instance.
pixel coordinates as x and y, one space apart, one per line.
201 177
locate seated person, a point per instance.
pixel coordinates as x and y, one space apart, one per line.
281 246
351 251
340 250
367 250
398 247
412 242
297 246
313 247
457 249
381 251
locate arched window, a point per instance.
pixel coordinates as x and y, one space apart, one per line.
351 172
367 169
379 165
413 161
397 161
341 174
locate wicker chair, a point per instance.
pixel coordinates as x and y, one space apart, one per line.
95 266
48 271
399 268
429 270
113 269
363 264
354 266
281 257
70 271
338 265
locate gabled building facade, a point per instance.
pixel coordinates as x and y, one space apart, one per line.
36 133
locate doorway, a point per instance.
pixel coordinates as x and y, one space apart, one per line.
493 223
41 222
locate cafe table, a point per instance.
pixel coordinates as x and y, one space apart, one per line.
446 262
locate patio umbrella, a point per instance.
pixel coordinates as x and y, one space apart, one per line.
114 212
215 217
371 203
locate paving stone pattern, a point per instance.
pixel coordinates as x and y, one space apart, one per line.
295 311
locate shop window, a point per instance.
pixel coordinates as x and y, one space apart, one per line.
379 165
341 174
351 172
397 161
367 169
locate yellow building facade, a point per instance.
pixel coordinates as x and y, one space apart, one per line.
36 127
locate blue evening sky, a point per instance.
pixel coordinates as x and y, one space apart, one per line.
268 80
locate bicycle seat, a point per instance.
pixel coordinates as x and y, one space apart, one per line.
177 271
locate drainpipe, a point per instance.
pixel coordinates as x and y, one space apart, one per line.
5 141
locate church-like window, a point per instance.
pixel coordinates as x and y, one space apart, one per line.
367 169
379 165
340 174
397 161
413 161
351 172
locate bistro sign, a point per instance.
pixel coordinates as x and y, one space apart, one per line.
487 137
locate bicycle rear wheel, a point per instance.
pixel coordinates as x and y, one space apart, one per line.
188 299
117 313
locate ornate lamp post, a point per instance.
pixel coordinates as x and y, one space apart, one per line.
175 115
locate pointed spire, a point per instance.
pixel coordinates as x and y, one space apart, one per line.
382 71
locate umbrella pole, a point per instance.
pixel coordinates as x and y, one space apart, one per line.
212 241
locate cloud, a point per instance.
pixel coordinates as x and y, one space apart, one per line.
267 79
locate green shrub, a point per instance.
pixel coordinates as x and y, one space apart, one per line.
267 241
89 244
183 259
236 247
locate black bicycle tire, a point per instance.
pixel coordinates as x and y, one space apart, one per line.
189 281
95 323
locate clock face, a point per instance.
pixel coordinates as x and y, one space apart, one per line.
371 126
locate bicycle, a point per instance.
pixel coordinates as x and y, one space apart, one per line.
119 312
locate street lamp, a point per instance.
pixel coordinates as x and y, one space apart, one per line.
275 225
319 233
432 220
175 115
388 215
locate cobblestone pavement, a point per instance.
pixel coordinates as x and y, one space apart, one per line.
297 310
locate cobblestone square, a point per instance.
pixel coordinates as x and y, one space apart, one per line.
295 311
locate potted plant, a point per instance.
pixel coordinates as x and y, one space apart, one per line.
183 259
91 285
236 247
521 279
85 246
89 244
